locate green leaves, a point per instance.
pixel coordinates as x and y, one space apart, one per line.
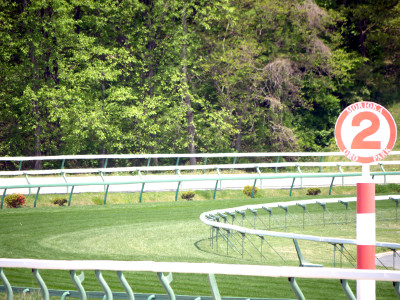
175 76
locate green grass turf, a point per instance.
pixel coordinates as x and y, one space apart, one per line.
172 231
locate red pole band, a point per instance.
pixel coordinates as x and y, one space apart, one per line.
366 198
366 257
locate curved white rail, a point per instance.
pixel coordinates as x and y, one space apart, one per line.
204 217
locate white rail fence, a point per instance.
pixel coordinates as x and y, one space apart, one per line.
131 179
160 268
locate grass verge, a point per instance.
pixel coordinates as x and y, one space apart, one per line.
83 199
161 229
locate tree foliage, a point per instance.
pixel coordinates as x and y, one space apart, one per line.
135 76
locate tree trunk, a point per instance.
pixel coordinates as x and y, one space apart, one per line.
191 130
238 140
189 113
38 129
103 160
38 163
362 25
148 78
103 97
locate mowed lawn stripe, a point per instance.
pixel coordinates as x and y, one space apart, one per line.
163 231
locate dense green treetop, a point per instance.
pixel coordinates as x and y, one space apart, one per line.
152 76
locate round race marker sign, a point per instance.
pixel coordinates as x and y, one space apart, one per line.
365 132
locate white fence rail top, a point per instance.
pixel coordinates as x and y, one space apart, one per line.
183 155
203 268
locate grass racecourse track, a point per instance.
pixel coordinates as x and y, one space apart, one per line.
162 230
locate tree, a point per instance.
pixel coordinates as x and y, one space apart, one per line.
134 76
371 28
33 33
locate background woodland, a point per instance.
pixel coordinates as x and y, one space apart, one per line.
186 76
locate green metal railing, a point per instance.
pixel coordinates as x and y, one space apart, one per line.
176 176
179 180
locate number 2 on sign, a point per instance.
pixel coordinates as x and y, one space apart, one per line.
359 141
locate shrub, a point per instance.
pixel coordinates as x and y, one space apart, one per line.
59 201
188 195
15 200
313 191
247 190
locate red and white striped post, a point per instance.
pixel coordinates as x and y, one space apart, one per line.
366 133
366 233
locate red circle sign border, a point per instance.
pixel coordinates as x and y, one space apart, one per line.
362 105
